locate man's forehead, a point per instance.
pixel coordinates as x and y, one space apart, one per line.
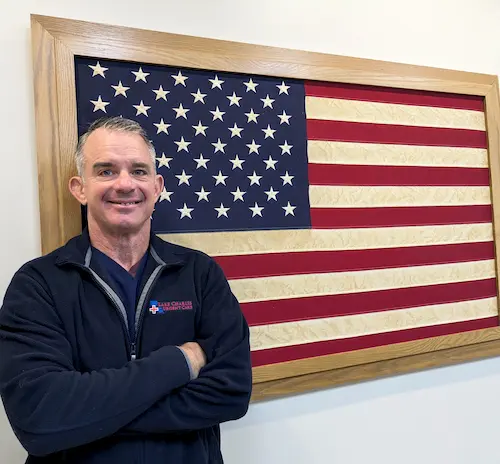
107 138
116 145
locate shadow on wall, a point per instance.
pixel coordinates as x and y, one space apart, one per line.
339 397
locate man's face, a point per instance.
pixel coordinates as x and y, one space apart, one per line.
120 186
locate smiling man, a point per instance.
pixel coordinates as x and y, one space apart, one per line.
119 347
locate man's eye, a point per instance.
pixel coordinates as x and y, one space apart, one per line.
106 172
140 172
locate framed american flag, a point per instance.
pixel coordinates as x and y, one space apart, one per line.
352 204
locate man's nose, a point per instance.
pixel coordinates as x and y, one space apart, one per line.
124 182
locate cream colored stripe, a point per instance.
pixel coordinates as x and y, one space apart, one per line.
392 113
317 330
334 283
376 154
286 241
360 197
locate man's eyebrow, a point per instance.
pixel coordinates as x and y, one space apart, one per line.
100 165
141 165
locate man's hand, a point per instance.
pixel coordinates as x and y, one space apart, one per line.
195 355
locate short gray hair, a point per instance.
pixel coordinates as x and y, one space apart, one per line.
113 123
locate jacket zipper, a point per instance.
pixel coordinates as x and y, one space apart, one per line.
114 298
139 311
116 303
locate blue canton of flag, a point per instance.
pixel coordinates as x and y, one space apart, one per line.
231 148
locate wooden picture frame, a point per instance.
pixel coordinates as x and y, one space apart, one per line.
57 41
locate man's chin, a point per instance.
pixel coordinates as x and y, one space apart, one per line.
125 225
115 222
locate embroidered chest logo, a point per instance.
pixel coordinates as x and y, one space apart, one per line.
161 307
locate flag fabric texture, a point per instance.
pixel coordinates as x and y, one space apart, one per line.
344 216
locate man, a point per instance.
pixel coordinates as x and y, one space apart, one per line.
91 371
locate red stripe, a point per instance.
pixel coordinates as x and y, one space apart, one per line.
311 262
298 309
392 95
394 134
312 350
344 174
345 218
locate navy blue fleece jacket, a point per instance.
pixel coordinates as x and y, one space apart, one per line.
77 388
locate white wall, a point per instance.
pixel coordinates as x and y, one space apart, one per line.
443 416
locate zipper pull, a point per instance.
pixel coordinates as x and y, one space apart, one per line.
132 352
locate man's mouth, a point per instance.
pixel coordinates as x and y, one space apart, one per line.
125 203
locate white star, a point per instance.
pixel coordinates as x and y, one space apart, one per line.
181 111
99 104
140 75
202 194
219 146
283 88
217 114
234 99
182 145
164 161
284 118
270 163
120 89
141 109
179 79
98 70
216 82
200 129
185 211
252 117
238 194
199 97
254 179
253 147
222 210
256 210
285 148
287 178
162 126
267 101
237 162
201 162
251 85
165 195
183 178
235 131
271 194
220 179
269 132
160 93
289 209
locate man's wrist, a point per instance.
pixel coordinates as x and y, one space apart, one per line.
190 367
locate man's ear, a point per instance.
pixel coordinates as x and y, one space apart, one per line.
159 184
77 189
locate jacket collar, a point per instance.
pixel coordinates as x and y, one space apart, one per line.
76 249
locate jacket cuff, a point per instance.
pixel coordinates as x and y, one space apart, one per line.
191 372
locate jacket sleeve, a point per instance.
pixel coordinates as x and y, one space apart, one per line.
222 391
50 405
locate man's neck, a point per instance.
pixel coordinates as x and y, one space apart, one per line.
126 249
